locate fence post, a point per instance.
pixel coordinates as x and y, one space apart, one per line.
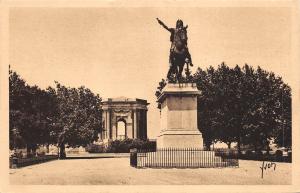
133 157
14 162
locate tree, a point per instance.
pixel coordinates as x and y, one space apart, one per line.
32 123
283 132
218 104
206 111
225 107
16 90
265 107
28 114
53 116
79 117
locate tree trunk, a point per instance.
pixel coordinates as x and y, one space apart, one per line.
229 145
268 148
207 147
62 152
268 151
47 146
28 151
239 145
255 147
207 144
33 148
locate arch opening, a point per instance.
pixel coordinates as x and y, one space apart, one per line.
121 129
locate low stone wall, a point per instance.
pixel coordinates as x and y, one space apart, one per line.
21 162
97 155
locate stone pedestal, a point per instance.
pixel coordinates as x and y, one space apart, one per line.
179 128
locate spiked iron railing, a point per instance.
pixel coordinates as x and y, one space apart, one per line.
183 158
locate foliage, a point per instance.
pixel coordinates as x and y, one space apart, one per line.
28 114
283 132
206 102
95 148
79 116
242 105
259 156
278 153
122 146
60 116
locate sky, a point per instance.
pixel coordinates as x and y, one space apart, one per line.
124 51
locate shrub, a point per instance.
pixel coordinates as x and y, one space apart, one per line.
94 148
41 153
248 153
124 146
278 153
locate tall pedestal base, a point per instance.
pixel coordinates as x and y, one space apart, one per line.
179 128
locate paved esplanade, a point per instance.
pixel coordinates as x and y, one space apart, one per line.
106 171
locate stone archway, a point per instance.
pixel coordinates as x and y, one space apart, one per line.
121 129
133 112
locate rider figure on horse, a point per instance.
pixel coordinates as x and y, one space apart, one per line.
178 40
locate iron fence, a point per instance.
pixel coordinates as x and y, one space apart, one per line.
183 158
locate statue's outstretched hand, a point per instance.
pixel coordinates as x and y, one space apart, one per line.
160 22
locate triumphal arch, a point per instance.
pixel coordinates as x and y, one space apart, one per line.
124 118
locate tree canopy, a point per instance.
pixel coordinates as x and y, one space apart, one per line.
79 116
29 113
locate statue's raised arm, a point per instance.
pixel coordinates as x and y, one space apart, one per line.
164 25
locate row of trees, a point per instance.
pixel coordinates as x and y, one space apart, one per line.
244 105
60 116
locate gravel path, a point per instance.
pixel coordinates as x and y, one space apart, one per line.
117 171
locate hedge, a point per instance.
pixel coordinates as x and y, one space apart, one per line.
122 146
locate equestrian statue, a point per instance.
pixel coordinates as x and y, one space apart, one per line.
179 52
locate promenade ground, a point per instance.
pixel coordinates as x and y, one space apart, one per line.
117 171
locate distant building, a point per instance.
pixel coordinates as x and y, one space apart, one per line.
123 118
